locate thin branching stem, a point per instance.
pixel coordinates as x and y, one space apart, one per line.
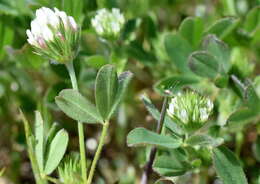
148 168
98 152
238 82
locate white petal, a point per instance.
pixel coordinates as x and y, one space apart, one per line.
184 115
47 34
63 16
171 108
36 28
73 24
31 40
203 114
29 33
40 15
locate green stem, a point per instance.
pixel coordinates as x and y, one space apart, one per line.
99 149
83 160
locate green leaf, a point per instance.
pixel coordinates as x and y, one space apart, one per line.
204 64
166 167
171 165
39 138
6 32
221 28
106 90
8 10
174 83
178 50
204 140
192 29
228 166
252 20
219 50
51 133
123 82
241 115
136 50
156 115
221 81
143 137
252 99
74 105
56 151
95 61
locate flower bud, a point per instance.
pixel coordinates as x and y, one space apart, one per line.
54 35
190 110
108 24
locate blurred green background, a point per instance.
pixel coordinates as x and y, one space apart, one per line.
29 82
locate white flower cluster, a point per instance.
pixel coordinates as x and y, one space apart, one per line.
108 24
54 35
190 108
46 24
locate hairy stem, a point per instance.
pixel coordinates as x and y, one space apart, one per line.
238 82
82 149
98 152
149 165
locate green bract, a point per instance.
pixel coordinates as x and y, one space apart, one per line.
190 110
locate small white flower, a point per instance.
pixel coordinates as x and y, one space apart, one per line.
203 114
209 105
171 108
184 116
108 24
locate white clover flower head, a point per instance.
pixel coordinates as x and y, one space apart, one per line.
108 24
190 109
54 34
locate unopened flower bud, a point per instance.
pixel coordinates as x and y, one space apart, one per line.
190 110
108 24
54 35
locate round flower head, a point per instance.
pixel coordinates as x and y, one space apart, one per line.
108 24
54 35
190 110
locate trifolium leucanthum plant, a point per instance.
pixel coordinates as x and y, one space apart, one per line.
108 24
54 35
190 110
